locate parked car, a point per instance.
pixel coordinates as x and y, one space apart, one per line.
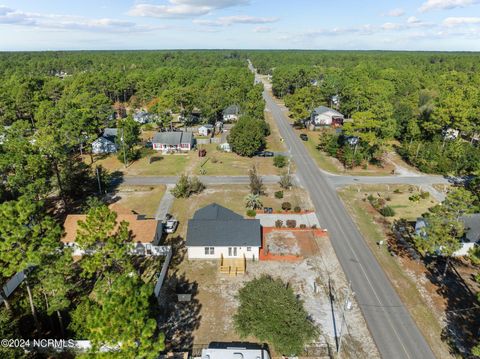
148 144
171 226
304 137
265 154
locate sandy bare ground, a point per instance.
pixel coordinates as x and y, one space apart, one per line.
216 299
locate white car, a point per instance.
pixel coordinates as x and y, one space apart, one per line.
171 226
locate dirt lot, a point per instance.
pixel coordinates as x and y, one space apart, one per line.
209 316
296 243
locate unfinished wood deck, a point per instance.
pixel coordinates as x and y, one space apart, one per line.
233 266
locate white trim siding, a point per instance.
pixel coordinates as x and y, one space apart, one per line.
199 252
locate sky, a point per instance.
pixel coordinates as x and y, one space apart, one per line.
433 25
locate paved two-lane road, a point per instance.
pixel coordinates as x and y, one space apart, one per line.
392 328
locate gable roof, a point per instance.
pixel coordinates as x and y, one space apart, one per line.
209 126
172 138
103 141
216 212
232 110
471 223
143 230
472 227
110 132
323 109
217 226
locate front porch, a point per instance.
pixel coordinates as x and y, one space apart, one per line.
233 266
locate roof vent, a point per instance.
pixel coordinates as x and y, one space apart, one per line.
237 356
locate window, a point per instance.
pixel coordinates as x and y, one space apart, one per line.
209 250
249 249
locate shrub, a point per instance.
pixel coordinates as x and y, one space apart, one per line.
474 255
187 186
278 223
279 194
265 305
388 199
303 226
414 197
251 213
387 211
279 161
213 159
297 209
424 194
397 190
286 181
286 206
314 226
291 223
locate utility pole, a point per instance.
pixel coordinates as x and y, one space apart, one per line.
124 154
347 305
99 182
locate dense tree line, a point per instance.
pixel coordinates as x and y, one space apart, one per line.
420 99
53 105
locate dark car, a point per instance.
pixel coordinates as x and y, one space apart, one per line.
304 137
264 154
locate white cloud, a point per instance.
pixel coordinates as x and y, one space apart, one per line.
68 22
446 4
236 19
395 12
392 26
183 8
457 21
262 29
413 20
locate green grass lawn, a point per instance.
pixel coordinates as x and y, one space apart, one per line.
233 197
332 165
161 165
274 142
218 163
141 199
405 286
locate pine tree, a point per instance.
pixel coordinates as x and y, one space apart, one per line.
121 316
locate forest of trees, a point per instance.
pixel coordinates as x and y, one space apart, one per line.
419 99
53 105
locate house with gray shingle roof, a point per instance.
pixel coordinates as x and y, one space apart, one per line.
106 143
173 141
231 113
215 232
325 116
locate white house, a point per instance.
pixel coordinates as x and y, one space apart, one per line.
105 143
470 239
325 116
231 113
215 231
146 233
173 141
205 130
